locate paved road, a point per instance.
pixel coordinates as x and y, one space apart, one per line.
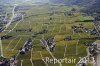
98 60
47 48
13 14
98 57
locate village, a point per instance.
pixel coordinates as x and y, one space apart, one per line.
54 31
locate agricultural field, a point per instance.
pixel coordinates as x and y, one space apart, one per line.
58 26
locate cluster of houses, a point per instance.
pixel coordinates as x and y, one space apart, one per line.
24 30
13 61
8 62
96 29
22 8
2 19
5 37
97 17
68 38
4 62
3 15
27 47
41 32
50 43
92 32
17 17
97 23
94 50
81 28
77 28
71 13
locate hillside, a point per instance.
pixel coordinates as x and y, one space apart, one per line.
89 6
95 7
11 2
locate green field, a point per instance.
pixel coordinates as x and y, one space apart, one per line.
59 27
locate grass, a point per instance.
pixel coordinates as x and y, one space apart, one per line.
59 28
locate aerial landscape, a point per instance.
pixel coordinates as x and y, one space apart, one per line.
49 32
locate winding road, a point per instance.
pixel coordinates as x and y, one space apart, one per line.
13 14
6 26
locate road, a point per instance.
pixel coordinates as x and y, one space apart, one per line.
6 26
98 56
98 60
13 14
47 48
